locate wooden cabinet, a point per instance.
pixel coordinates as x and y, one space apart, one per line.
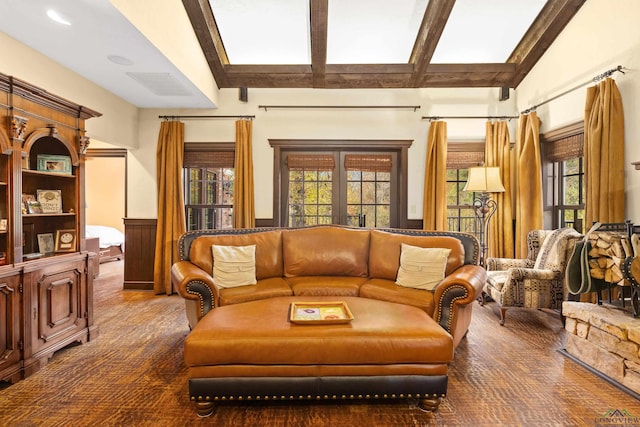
46 273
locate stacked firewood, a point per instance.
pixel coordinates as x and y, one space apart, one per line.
608 251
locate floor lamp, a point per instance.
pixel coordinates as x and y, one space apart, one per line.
484 180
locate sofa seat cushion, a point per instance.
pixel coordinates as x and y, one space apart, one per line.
387 290
326 285
264 288
260 333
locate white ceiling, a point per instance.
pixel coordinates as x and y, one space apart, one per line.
478 31
98 30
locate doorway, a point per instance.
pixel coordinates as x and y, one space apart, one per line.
358 185
106 187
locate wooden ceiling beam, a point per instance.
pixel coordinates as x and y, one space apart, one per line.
553 17
418 72
206 29
468 75
344 76
319 19
433 23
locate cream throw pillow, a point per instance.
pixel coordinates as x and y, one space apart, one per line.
234 265
421 268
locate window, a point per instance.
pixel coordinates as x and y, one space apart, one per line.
460 211
208 175
564 173
570 210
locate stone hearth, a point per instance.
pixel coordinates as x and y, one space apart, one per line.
605 338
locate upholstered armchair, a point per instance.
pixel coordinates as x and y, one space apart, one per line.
536 281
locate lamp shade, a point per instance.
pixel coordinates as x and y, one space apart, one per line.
484 180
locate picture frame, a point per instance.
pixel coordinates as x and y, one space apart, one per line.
46 243
26 198
50 201
65 241
34 207
3 224
54 164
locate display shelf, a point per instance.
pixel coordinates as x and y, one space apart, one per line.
47 296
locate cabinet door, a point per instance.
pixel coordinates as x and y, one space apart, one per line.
10 353
58 306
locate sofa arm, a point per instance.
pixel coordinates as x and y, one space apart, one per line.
195 284
460 288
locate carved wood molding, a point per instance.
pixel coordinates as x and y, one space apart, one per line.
18 127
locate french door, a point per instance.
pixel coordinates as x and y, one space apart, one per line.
359 188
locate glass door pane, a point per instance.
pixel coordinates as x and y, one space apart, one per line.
310 189
368 199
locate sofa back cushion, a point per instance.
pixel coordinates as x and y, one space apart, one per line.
325 251
268 251
385 249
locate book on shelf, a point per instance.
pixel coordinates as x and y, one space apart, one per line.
50 200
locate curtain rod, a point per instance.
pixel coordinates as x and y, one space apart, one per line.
206 117
596 79
274 107
469 117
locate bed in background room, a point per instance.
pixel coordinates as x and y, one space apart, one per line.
111 241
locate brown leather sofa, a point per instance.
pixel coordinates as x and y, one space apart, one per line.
316 263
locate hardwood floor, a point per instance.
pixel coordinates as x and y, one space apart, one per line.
133 375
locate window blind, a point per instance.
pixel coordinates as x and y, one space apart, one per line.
569 147
368 162
197 155
316 162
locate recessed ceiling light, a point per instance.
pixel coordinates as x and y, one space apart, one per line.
120 60
59 18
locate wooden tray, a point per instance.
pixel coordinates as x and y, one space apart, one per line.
320 313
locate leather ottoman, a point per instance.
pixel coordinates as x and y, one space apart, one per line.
251 351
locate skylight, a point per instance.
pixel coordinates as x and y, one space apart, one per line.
485 31
370 31
264 32
373 31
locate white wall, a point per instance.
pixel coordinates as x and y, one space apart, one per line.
323 124
602 35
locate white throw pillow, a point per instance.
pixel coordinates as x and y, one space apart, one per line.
421 268
234 265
